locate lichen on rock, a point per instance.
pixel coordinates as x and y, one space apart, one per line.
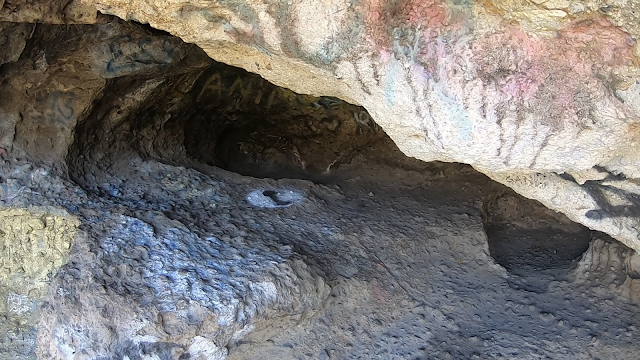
34 243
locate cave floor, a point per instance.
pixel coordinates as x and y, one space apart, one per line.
417 281
404 256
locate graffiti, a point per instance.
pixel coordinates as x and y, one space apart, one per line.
129 56
364 119
243 90
272 97
251 92
213 84
328 102
59 108
19 304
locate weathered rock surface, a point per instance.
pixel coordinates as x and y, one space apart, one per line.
614 265
35 243
522 91
123 237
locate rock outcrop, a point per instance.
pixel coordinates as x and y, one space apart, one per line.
131 225
535 94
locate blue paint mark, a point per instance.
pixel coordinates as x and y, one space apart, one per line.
129 56
61 108
393 73
456 112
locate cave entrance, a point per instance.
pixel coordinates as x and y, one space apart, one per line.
203 113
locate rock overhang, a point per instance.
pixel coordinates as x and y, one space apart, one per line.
523 91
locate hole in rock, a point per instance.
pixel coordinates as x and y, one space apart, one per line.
274 198
533 243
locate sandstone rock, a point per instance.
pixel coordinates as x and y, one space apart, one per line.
614 265
52 12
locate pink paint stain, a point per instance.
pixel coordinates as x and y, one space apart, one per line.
522 65
380 294
385 55
532 71
429 17
597 41
519 86
420 75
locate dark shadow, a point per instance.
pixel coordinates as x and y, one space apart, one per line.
534 244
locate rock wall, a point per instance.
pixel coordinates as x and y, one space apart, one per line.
115 125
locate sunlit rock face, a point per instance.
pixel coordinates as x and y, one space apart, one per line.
539 95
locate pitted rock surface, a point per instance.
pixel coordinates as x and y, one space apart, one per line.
158 204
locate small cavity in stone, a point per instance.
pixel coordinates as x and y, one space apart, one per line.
271 199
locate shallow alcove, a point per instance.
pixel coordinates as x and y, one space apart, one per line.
218 115
531 242
250 126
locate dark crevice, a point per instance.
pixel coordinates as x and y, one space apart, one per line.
534 244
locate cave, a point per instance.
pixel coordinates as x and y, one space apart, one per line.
190 209
234 120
